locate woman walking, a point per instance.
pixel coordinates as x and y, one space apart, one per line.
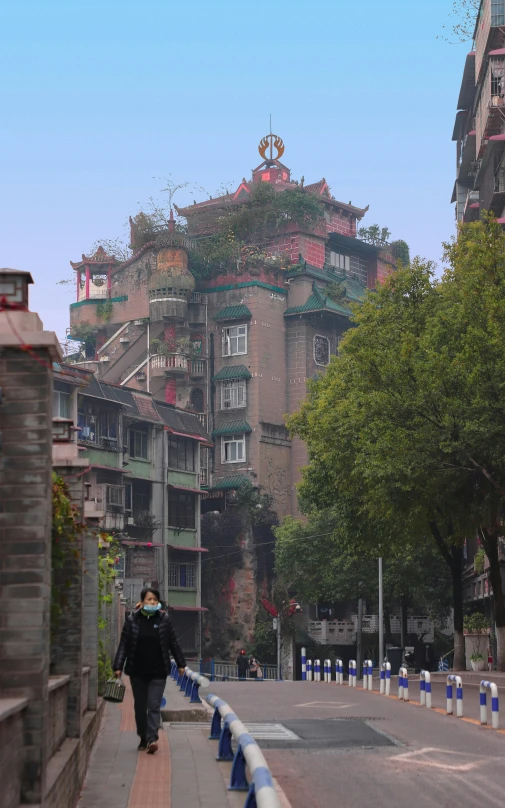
147 640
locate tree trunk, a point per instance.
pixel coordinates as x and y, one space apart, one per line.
403 606
491 548
453 556
457 593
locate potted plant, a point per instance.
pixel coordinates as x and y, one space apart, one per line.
477 662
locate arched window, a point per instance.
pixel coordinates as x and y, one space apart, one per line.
196 399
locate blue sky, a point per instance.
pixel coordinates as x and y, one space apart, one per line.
101 99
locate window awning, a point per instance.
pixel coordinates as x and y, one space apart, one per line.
186 489
232 428
231 373
187 609
239 312
186 435
184 549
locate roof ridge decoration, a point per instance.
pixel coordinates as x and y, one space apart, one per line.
98 257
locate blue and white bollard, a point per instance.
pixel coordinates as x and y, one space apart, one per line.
385 683
304 665
369 673
403 684
327 665
317 670
352 673
459 694
339 671
425 689
309 671
495 706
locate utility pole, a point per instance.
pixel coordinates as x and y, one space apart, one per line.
359 633
279 647
381 617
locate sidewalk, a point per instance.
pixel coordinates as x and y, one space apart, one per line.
183 773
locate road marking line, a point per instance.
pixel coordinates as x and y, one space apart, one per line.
338 705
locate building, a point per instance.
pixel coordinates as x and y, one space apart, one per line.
142 486
238 346
479 130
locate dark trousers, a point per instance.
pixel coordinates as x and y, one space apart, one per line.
147 696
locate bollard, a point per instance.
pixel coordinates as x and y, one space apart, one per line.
327 670
309 670
403 684
459 694
304 665
189 686
352 673
317 670
369 664
385 683
495 707
425 689
339 671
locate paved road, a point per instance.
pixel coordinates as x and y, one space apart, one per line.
360 749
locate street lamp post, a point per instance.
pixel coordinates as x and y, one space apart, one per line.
381 617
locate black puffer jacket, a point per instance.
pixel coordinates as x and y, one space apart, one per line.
128 643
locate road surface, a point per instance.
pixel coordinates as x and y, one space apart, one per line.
356 749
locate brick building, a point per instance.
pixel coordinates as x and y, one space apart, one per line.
239 346
479 129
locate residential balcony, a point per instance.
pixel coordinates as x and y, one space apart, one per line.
472 207
197 368
488 34
173 364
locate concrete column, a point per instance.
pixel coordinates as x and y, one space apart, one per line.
67 641
25 530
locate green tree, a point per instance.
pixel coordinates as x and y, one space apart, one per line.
409 418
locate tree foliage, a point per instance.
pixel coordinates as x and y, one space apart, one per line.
461 24
408 421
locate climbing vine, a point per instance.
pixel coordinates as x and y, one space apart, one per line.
109 549
65 532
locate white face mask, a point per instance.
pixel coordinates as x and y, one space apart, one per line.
151 608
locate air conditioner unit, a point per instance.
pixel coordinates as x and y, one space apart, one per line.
130 520
138 322
105 358
124 340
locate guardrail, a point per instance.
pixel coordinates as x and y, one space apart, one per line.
385 681
189 682
459 694
495 706
227 726
425 689
228 670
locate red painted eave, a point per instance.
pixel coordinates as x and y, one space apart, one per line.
188 549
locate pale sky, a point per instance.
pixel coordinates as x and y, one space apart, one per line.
102 100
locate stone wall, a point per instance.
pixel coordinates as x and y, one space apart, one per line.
57 723
11 750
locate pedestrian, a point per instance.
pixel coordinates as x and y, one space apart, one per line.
254 667
147 640
242 664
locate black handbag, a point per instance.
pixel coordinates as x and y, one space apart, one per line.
114 691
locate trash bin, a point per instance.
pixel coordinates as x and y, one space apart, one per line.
395 658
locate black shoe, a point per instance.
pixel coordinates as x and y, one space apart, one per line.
142 745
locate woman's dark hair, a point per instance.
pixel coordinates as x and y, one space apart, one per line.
146 591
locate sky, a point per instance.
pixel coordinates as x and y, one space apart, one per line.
100 101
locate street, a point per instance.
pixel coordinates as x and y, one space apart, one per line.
358 748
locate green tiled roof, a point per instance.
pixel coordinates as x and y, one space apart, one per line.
233 313
352 288
231 483
232 428
232 372
318 301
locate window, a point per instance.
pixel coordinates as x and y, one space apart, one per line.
340 261
138 444
235 340
136 501
115 498
181 453
233 449
182 571
181 509
61 404
108 425
321 350
233 395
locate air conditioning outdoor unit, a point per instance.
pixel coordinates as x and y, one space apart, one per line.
130 520
124 340
105 358
138 322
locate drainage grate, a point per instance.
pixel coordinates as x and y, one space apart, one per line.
260 732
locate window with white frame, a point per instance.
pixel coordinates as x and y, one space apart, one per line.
321 350
340 261
235 340
138 444
233 449
61 404
233 394
182 571
115 497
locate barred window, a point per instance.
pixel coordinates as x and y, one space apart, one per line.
182 571
321 350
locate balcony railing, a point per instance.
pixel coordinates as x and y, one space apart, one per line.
175 363
197 367
198 297
204 478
